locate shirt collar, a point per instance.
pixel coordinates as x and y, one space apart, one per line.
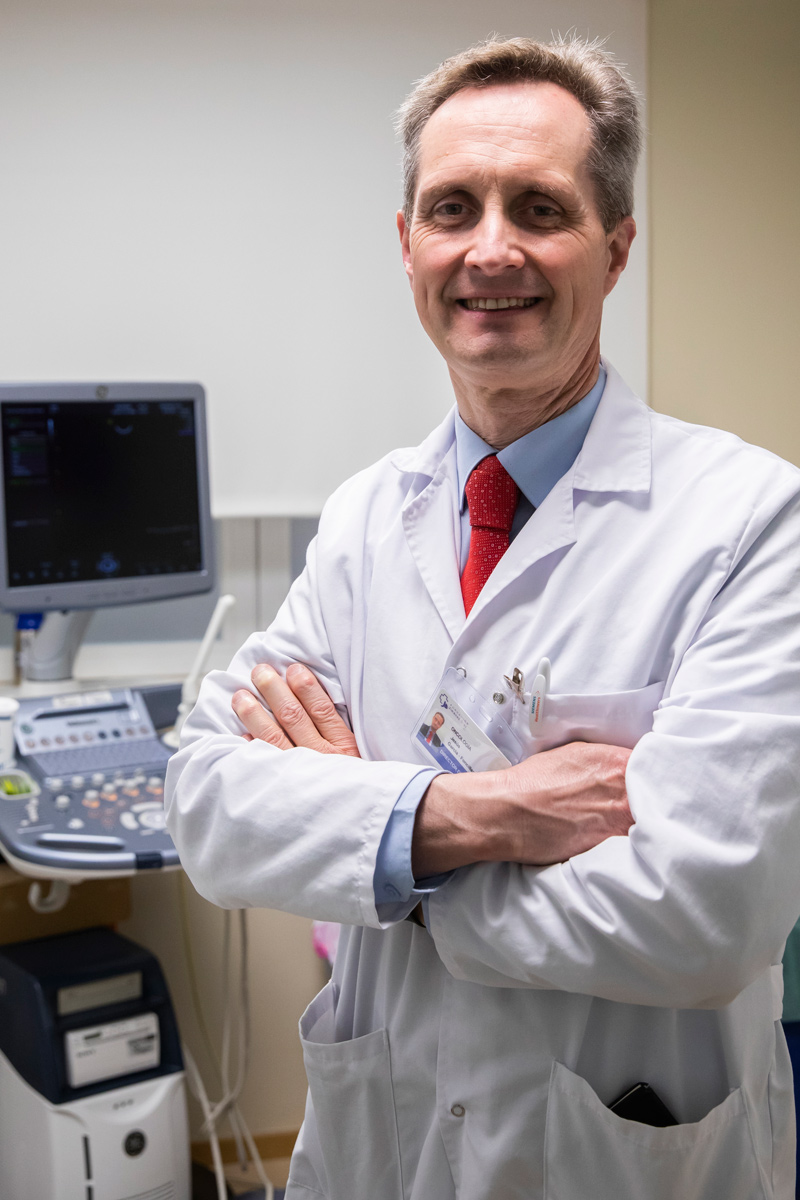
537 460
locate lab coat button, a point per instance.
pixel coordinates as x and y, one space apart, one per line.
458 1110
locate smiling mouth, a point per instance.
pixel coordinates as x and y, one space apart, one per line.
491 304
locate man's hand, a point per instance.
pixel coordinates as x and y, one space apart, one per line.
547 809
303 712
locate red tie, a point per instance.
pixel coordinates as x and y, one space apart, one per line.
492 497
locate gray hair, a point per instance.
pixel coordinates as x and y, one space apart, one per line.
583 68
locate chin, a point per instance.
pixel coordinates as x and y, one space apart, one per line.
502 366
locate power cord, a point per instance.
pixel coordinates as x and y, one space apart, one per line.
236 1015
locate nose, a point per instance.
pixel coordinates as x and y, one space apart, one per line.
495 245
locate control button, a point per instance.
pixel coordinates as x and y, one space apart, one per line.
45 741
144 731
130 733
128 820
54 783
108 788
155 781
115 733
75 823
88 737
29 744
139 779
135 1143
458 1110
62 801
101 733
77 781
154 820
90 803
60 740
91 794
133 792
26 728
98 778
73 737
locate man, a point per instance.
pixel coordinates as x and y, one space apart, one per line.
568 954
430 733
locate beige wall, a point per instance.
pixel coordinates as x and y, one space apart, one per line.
724 113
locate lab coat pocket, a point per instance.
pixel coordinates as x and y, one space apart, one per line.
589 1151
617 718
351 1092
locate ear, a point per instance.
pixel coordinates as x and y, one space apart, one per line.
619 246
403 230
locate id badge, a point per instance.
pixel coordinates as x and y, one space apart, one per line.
461 731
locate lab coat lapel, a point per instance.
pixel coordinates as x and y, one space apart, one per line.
616 457
551 528
430 523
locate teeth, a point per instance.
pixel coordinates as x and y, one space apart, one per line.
492 303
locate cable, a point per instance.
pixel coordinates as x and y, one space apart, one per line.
199 1092
236 1014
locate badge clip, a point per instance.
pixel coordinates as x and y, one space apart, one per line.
516 682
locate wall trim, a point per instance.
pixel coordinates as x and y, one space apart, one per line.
269 1145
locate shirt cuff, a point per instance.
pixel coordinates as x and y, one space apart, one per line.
396 890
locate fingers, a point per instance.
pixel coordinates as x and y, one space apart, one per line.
321 709
257 721
287 709
303 713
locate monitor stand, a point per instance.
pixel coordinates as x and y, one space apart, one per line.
51 656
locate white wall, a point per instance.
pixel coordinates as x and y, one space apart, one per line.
206 189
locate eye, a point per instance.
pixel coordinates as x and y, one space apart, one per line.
451 210
541 212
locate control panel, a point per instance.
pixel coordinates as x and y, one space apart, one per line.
87 797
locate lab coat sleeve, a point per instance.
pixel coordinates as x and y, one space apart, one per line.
288 829
698 900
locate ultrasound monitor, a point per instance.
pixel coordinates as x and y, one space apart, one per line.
104 495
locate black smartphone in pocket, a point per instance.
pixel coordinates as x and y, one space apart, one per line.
641 1103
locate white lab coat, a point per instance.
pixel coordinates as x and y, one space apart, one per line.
661 578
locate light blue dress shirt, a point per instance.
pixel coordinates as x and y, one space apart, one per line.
535 462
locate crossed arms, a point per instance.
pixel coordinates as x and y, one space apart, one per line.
545 810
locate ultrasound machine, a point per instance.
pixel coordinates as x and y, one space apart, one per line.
104 500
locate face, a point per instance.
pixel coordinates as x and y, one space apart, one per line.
506 253
437 721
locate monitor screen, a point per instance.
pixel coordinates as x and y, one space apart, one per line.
104 496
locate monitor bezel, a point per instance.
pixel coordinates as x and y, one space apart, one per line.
104 593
